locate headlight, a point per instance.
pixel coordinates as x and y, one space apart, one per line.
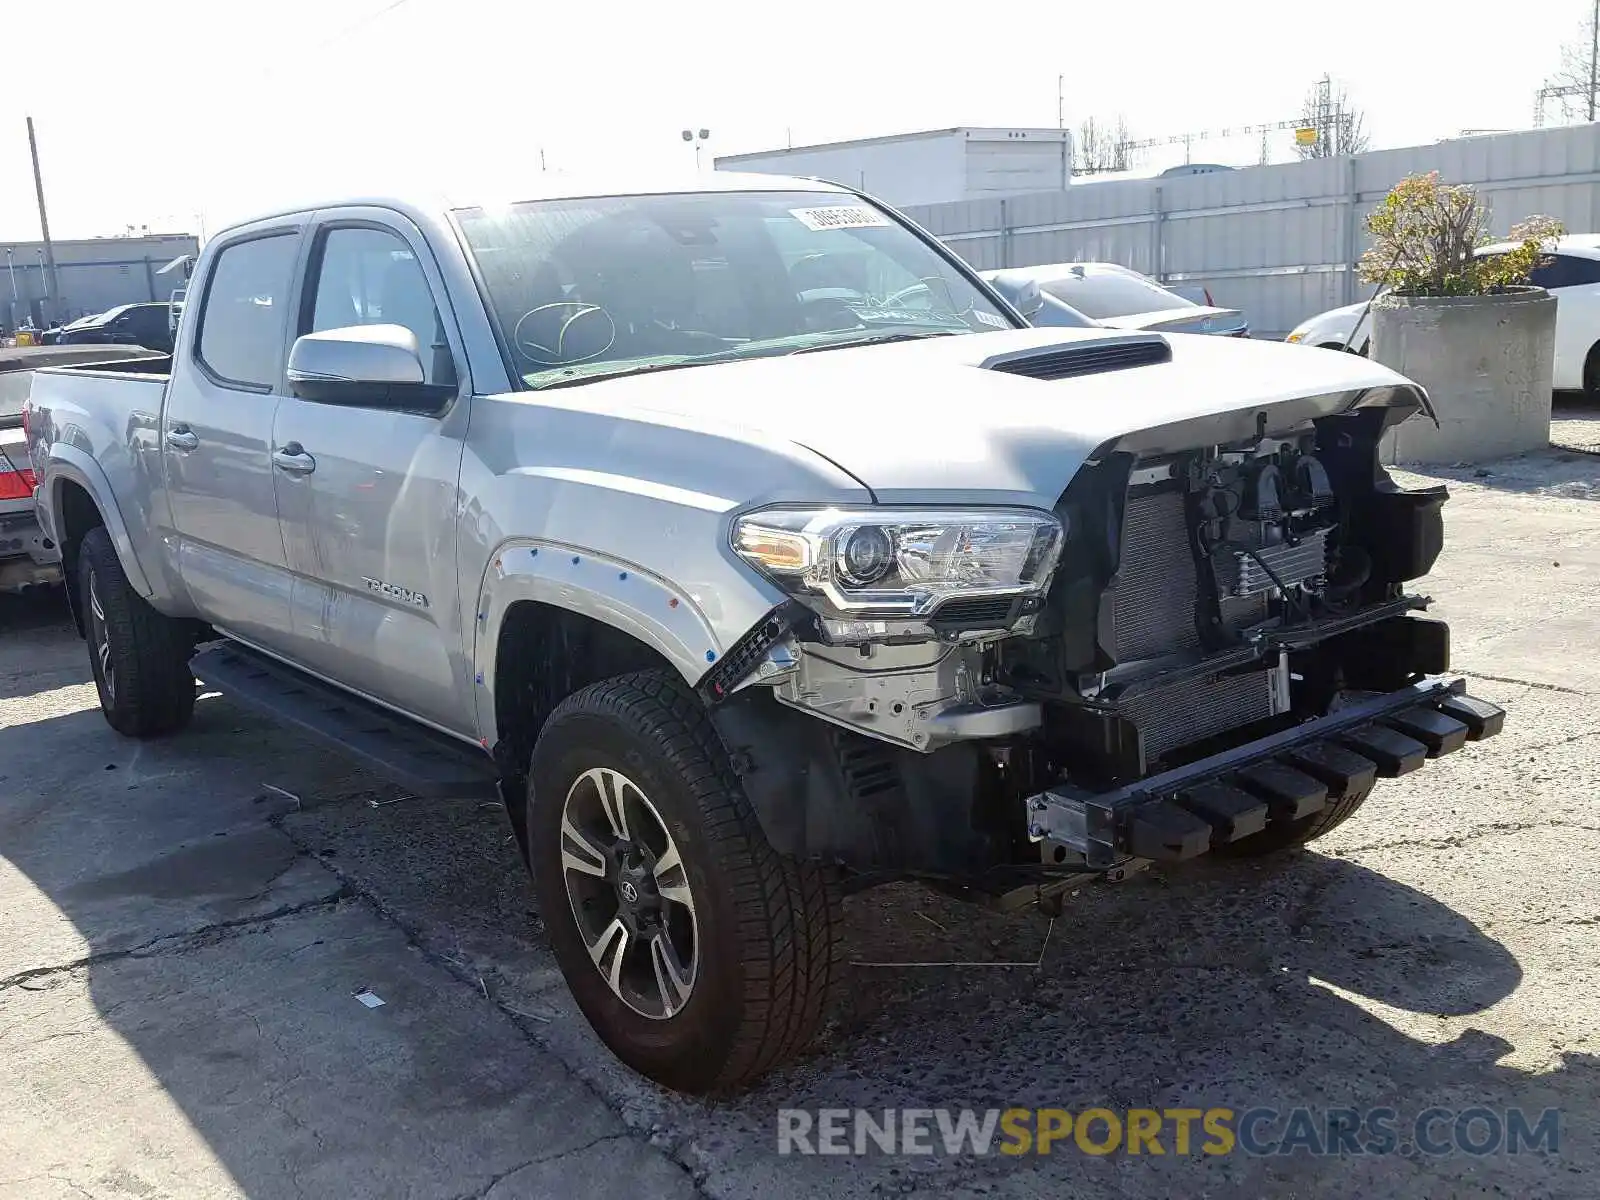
1296 336
901 562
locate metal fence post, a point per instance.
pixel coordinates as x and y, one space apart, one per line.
1352 244
1158 237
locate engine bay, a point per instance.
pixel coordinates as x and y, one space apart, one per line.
1204 600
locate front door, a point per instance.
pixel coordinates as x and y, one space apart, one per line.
368 496
218 434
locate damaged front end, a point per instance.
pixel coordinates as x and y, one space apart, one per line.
1204 638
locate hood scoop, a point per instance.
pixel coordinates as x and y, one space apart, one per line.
1089 357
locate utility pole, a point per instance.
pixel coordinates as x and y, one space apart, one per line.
44 224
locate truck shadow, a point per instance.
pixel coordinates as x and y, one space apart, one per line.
1312 980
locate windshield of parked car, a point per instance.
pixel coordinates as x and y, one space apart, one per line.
582 289
1112 294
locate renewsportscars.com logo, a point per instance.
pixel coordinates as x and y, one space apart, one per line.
1337 1132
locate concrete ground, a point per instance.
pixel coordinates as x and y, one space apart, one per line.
185 926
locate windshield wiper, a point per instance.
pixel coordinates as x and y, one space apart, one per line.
875 339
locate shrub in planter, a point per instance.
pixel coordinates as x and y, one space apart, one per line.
1468 326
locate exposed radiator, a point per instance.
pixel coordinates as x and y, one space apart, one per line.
1186 712
1152 609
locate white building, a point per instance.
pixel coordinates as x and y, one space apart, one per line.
933 167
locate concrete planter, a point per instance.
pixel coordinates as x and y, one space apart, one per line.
1487 363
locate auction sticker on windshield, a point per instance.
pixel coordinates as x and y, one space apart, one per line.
842 216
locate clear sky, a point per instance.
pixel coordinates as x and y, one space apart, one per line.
170 112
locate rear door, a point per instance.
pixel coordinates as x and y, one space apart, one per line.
369 496
217 437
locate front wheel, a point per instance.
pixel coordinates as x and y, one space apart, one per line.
701 956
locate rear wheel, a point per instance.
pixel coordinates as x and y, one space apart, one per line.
701 956
1591 375
139 657
1291 835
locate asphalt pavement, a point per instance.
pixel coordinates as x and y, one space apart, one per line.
232 965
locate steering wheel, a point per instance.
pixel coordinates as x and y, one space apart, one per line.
831 308
927 284
905 293
541 335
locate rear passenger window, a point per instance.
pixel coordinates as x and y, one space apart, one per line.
241 321
1565 270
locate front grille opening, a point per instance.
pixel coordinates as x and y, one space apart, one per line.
981 611
1189 711
1092 358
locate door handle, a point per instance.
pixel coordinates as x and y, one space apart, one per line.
179 437
293 458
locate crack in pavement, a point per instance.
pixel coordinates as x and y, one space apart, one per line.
179 942
497 1180
1566 741
1530 683
1451 841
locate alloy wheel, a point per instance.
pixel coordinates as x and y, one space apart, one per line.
102 641
629 893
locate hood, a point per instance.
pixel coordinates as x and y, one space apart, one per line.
928 422
1196 319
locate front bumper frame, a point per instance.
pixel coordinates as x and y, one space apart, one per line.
1287 776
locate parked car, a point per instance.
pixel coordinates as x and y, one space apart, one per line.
147 325
742 589
27 557
1124 299
1571 274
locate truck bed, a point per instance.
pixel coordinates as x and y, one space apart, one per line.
158 366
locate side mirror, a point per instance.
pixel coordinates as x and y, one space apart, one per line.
1021 293
369 366
1029 299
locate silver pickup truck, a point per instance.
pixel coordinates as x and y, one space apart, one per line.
752 550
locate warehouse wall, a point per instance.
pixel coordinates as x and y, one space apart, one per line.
1279 242
95 274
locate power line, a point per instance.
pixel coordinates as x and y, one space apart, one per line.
360 23
1330 119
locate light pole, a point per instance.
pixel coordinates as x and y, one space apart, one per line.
699 138
11 269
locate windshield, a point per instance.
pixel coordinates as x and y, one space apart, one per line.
1113 294
104 318
587 288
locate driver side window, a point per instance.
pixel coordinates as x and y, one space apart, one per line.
367 276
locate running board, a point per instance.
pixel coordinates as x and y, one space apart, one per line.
417 758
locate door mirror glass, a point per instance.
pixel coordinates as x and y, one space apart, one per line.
373 366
